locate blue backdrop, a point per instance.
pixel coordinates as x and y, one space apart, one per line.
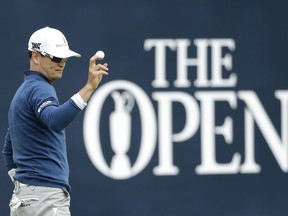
254 40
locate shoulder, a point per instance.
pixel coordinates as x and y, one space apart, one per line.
39 87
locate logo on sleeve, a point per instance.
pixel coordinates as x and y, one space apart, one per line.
46 103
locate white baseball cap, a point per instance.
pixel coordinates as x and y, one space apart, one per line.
50 41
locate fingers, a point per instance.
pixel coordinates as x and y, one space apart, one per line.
100 69
96 72
93 59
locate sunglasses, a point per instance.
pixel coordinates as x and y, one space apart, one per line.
53 58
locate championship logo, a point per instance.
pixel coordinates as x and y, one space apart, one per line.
211 88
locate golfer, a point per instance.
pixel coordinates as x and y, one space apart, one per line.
35 146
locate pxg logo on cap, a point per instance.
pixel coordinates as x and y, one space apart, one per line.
36 46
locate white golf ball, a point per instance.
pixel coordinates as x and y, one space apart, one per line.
100 54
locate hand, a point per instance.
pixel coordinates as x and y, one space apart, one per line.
11 174
96 72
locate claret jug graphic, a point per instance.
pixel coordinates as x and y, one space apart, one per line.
120 132
125 97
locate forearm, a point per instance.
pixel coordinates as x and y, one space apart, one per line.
86 92
8 153
8 160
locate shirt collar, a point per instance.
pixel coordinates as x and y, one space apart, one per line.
28 73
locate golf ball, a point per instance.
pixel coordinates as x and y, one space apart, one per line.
100 54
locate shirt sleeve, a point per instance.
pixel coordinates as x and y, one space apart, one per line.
44 102
8 153
58 117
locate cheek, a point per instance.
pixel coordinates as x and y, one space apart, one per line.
47 67
53 68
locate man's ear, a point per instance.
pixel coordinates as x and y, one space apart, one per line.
35 58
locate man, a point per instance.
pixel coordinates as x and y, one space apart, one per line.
35 147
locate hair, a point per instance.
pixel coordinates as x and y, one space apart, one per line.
30 54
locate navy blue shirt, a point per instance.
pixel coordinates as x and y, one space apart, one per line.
35 142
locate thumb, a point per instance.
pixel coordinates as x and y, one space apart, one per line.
93 59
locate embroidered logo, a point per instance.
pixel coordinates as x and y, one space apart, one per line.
36 45
43 105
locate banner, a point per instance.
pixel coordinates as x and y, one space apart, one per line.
192 118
